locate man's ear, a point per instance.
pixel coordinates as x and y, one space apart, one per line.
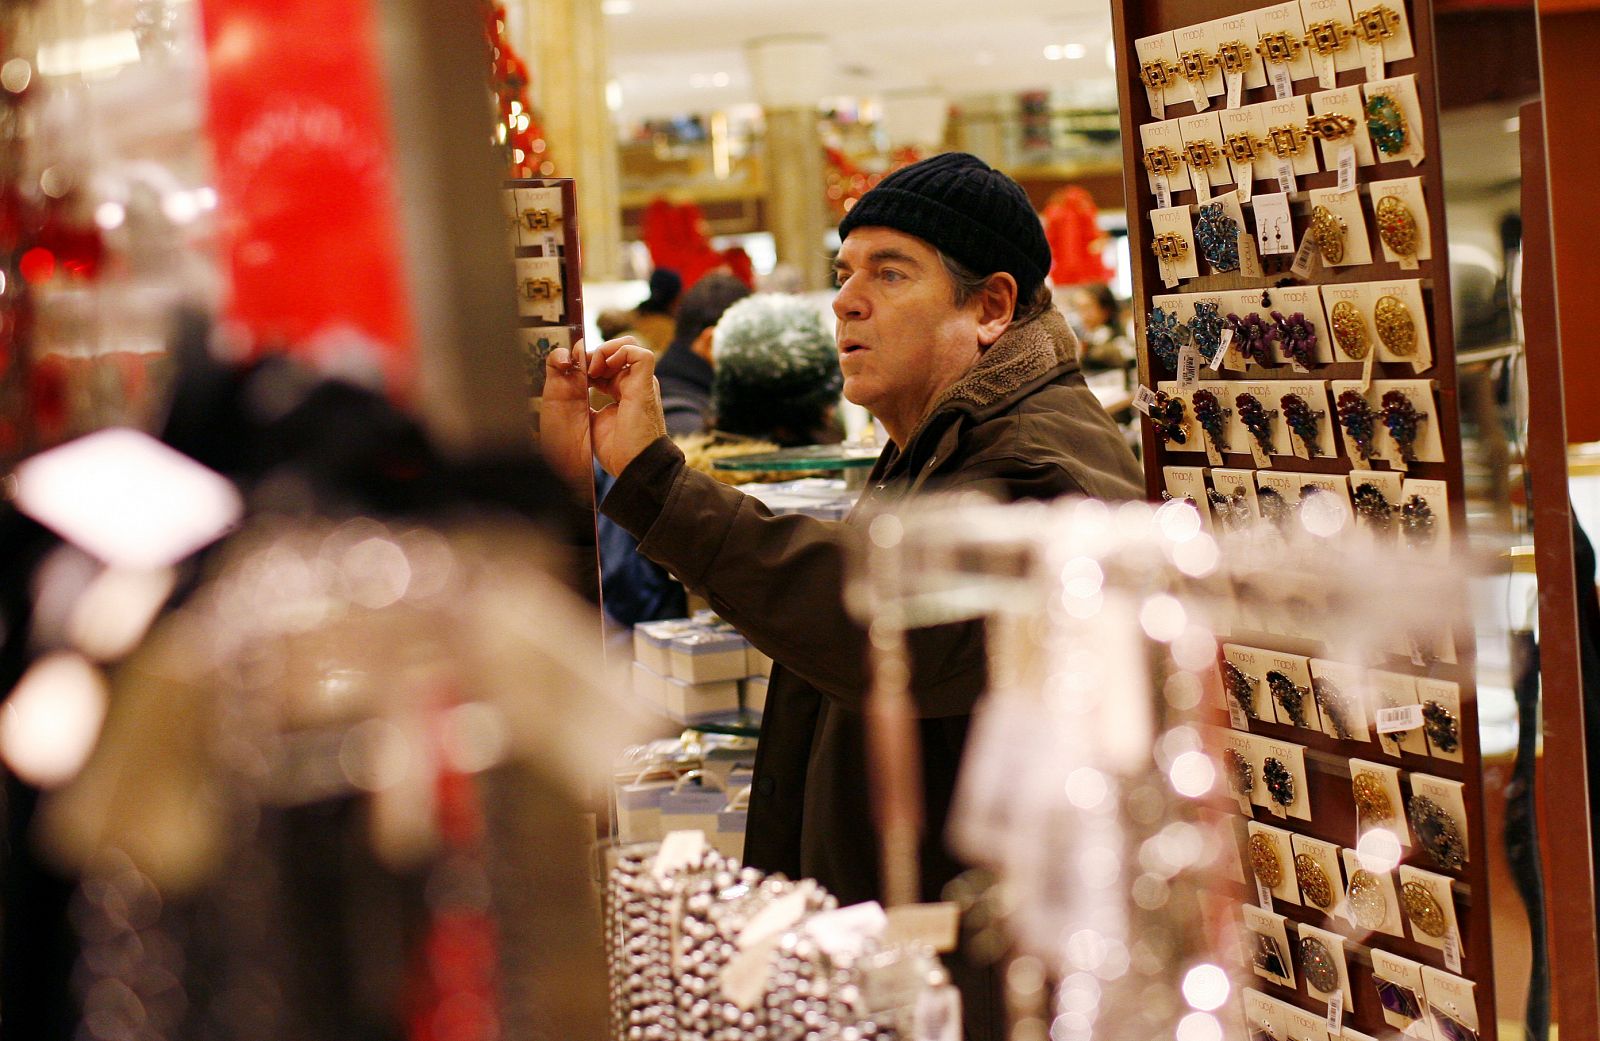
996 302
702 344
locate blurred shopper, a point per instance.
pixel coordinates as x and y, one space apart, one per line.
685 369
1103 344
653 319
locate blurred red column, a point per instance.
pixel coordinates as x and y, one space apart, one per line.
307 204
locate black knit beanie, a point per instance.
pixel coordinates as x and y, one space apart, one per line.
967 210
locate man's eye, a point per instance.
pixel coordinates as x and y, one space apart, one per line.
891 275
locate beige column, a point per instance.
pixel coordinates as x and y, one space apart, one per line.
790 74
564 43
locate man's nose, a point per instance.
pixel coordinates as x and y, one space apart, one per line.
850 302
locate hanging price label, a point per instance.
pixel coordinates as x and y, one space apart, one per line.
1163 192
1235 88
1400 717
1237 718
1282 84
1202 185
1347 168
1373 55
1327 78
1158 103
1263 895
1366 371
1188 366
1198 92
1144 399
1169 274
1307 258
1223 343
1336 1013
1452 952
1286 182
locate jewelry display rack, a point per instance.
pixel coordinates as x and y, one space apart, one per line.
542 222
1333 816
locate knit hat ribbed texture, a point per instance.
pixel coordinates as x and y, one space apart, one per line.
968 210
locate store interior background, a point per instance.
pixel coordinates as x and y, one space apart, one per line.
728 104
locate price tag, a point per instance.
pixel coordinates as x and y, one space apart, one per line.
1366 371
1163 192
679 850
1286 182
1452 952
1263 895
1144 399
1282 84
1238 719
1202 185
1263 461
1223 343
1188 366
1400 717
937 1016
1235 88
1373 54
1197 91
1308 258
1336 1013
1327 78
776 918
744 978
845 932
1246 183
551 244
1347 168
1169 274
1158 102
932 925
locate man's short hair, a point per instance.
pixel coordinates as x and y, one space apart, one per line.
702 306
967 284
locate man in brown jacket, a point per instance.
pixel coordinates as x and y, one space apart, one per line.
947 334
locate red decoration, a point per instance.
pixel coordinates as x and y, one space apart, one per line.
308 212
1077 243
847 181
517 128
676 236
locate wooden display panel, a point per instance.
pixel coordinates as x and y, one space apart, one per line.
542 223
1327 758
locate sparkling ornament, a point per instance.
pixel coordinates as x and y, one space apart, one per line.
1218 236
1303 422
1438 833
1336 705
1264 861
1417 522
1372 798
1166 336
1350 330
1257 419
1274 510
1403 421
1206 327
1254 337
1241 776
1423 909
1298 336
1241 687
1397 330
1327 230
1372 505
1396 226
1386 124
1358 420
1314 884
1279 781
1167 413
1321 969
1287 693
1367 900
1439 723
1212 417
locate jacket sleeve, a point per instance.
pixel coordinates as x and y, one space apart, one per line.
780 580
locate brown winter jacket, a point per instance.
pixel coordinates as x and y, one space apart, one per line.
1020 424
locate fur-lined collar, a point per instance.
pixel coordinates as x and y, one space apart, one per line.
1020 358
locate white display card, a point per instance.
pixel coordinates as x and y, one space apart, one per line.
1162 48
1297 670
1293 757
541 220
1347 207
1258 922
1245 120
1250 661
539 289
1408 291
1238 742
1305 301
1449 995
1201 38
1315 394
1335 944
1326 857
1337 501
1286 18
1350 683
1241 28
1392 690
1395 824
1274 226
1429 447
1408 974
1266 393
1436 495
1188 484
1403 89
1291 112
1205 126
1396 48
1166 134
1389 483
1263 1013
1304 1026
1446 794
1175 220
1191 429
1392 923
1447 696
1314 11
1409 191
1353 293
1346 101
1439 888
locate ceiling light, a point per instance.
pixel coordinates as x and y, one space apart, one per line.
1052 52
719 80
1074 51
616 6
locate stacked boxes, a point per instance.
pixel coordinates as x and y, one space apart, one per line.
696 670
694 782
